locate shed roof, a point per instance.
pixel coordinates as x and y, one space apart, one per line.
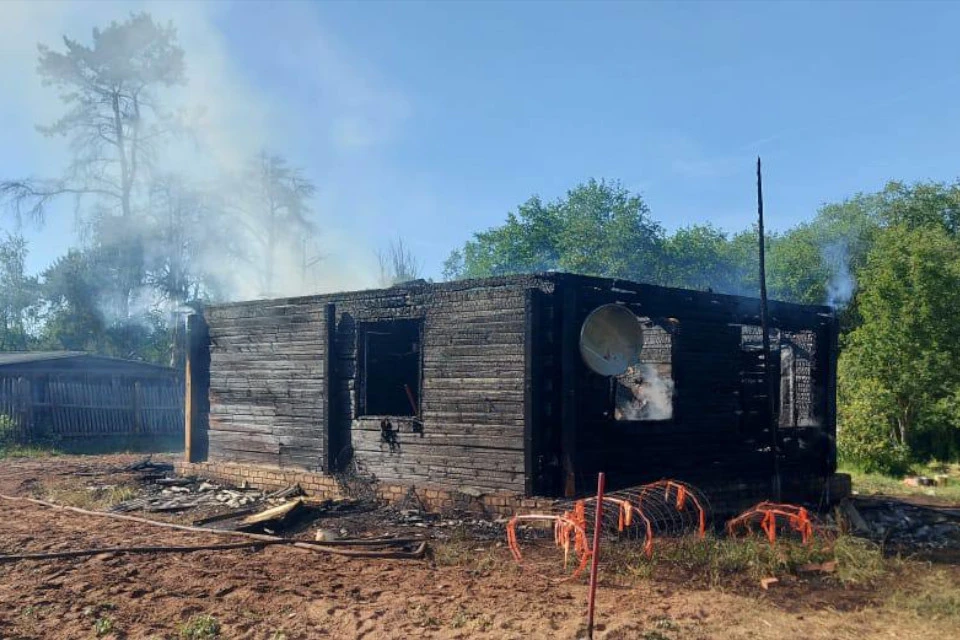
19 357
12 358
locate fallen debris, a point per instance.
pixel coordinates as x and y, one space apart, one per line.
854 518
906 524
829 566
331 548
274 513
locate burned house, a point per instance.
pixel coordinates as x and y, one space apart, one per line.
481 386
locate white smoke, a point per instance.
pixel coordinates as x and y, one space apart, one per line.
349 115
842 283
644 394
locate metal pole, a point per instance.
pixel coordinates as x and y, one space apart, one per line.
595 559
767 360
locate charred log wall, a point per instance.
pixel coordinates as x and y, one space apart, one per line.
472 401
502 400
268 371
287 384
720 428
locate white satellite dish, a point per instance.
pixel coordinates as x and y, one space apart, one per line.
611 339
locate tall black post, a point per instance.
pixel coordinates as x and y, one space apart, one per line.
767 360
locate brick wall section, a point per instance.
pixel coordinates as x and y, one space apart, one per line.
323 486
729 500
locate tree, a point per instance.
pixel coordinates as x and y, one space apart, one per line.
271 208
179 231
110 89
599 228
398 264
76 293
899 373
114 123
19 296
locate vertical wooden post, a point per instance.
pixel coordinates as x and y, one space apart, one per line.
26 392
569 351
137 408
595 557
188 406
330 436
767 360
531 397
196 383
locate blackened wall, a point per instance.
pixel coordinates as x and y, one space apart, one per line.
504 400
285 382
720 430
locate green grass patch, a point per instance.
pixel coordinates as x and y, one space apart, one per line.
935 594
200 627
12 451
718 560
875 483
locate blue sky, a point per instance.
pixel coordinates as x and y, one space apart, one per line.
433 120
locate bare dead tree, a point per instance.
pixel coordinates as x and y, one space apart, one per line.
398 264
270 208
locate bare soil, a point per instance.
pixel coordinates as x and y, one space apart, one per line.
285 593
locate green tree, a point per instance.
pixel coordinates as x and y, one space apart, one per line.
77 291
599 228
899 371
19 296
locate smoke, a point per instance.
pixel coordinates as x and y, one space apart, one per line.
339 118
643 394
842 284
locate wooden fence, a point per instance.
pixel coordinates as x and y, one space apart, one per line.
56 408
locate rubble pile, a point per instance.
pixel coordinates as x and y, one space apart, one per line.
162 491
180 494
901 523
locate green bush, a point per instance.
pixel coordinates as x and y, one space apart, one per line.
8 430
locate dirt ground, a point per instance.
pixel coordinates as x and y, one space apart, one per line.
284 593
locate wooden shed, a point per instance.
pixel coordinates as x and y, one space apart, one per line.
480 384
80 401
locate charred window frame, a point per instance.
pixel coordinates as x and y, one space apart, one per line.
798 393
390 368
646 393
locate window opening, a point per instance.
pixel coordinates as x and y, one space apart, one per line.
645 392
390 372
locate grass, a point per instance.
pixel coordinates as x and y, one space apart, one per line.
875 483
475 557
934 594
104 626
200 627
95 498
719 560
11 451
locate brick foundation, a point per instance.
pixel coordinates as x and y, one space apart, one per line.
323 486
727 501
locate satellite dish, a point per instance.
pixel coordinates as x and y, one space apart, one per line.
611 339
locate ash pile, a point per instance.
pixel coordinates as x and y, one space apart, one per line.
467 517
903 523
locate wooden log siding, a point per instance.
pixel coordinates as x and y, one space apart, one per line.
710 439
269 394
471 397
506 403
268 370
